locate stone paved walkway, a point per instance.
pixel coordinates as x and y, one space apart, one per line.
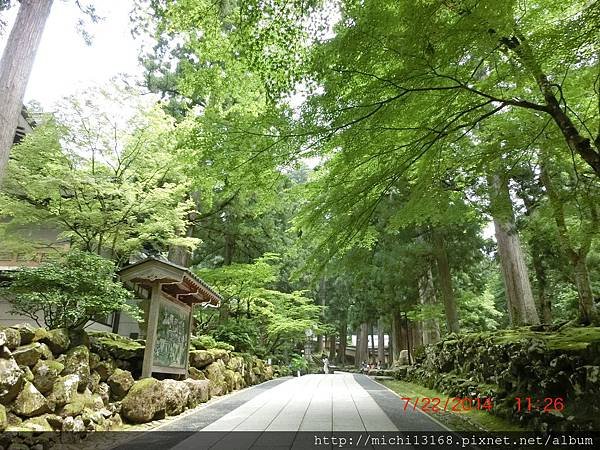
339 403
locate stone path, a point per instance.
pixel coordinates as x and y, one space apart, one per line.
317 403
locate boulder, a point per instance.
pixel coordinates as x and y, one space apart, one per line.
236 363
5 353
94 418
30 354
200 358
118 347
94 360
56 422
11 380
229 379
105 368
30 402
94 381
36 424
80 402
77 362
238 380
268 373
177 394
57 340
26 332
145 401
199 392
79 337
12 338
215 373
13 420
196 374
103 390
115 422
219 353
3 418
73 424
403 358
45 374
120 382
27 373
64 390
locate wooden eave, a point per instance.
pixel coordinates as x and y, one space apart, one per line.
176 282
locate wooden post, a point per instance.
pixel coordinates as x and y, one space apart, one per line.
151 330
191 332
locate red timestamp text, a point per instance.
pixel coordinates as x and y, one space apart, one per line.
448 404
547 404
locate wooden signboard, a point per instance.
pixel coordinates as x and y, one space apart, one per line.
168 339
172 338
174 291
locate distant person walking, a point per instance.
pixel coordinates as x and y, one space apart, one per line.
325 365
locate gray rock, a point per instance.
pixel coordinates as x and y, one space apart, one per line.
37 424
64 390
11 380
27 373
103 390
105 368
145 401
3 418
177 394
403 359
12 338
73 424
26 332
200 358
30 402
196 374
120 382
30 354
215 372
199 392
80 402
77 362
57 340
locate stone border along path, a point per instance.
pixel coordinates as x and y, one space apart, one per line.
340 402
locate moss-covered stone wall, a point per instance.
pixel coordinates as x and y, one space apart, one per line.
63 381
559 371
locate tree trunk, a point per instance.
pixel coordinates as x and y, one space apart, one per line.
364 342
380 341
543 300
587 313
372 351
357 356
332 348
519 297
396 336
577 256
179 254
15 69
544 303
341 354
431 329
441 257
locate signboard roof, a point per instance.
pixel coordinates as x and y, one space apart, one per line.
178 282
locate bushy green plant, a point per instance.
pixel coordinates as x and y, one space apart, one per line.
68 291
298 363
224 346
203 342
241 333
